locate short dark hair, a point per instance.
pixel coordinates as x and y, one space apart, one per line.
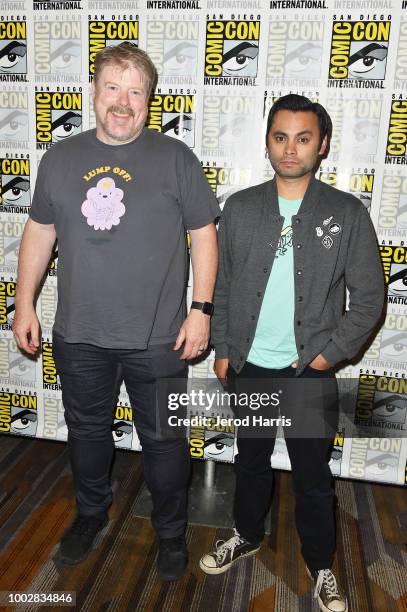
295 104
126 55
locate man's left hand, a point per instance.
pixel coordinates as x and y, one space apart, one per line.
195 333
320 363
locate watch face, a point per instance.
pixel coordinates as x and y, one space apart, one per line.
207 308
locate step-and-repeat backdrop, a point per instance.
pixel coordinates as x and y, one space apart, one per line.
221 63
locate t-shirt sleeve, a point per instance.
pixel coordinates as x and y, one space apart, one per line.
42 209
198 203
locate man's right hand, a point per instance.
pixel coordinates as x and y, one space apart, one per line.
26 330
220 368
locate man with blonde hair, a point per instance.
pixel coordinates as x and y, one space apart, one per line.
119 199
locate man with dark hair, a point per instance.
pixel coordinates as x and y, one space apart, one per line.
119 200
288 248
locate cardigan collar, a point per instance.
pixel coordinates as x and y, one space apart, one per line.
309 201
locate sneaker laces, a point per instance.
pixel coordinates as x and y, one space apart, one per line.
223 547
326 579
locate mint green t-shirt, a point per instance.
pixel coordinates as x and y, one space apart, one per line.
274 342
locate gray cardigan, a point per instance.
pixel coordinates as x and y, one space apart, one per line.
334 244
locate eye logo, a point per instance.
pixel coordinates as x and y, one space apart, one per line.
394 261
13 50
219 446
12 58
238 59
174 116
65 124
294 50
367 59
180 58
232 49
173 46
398 280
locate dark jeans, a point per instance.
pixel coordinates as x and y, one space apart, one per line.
89 377
312 480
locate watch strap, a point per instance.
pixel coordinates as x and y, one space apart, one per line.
205 307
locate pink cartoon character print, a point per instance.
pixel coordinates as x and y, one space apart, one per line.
103 207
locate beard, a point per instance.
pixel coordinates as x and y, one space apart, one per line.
116 133
296 171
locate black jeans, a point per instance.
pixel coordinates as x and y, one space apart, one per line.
312 479
89 377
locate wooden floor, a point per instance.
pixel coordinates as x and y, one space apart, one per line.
37 505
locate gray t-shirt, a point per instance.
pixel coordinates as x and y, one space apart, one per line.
120 213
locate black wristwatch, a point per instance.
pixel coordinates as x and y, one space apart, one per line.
205 307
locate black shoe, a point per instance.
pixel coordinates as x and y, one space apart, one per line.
226 553
76 543
172 558
330 598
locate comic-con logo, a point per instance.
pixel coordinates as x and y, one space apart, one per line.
11 230
400 74
393 341
196 441
355 131
397 132
375 459
14 185
224 181
173 115
122 428
13 50
7 303
219 441
231 52
389 348
211 440
52 269
50 378
16 368
294 50
14 119
173 48
54 421
48 304
57 50
335 461
358 55
393 205
359 184
109 33
58 116
394 261
381 402
227 125
18 413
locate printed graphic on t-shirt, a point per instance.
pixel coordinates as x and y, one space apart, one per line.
103 206
285 242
